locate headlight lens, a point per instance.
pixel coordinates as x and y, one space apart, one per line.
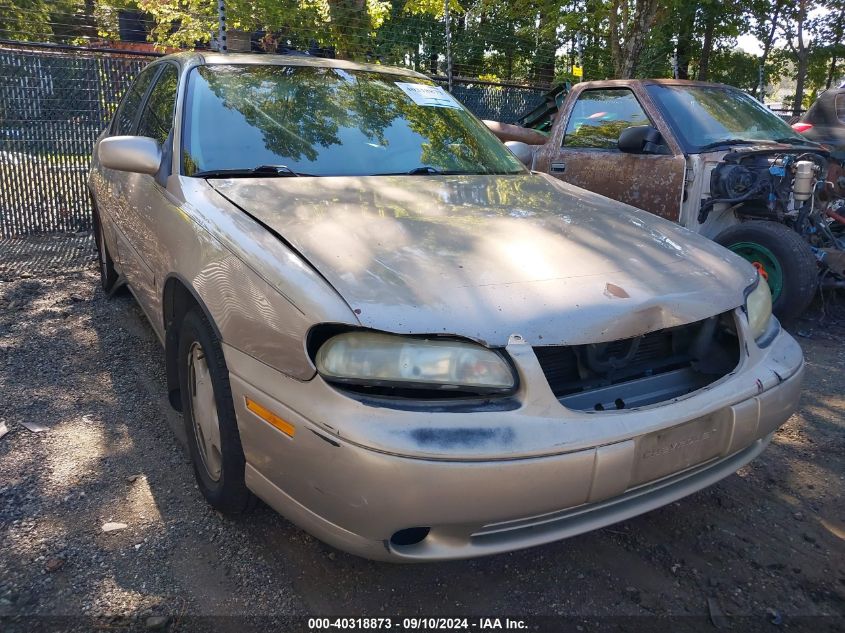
758 306
386 359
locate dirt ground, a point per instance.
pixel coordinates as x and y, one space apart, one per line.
767 544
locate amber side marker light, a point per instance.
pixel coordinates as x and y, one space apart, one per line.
270 418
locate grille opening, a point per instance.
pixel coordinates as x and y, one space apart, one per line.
642 370
409 536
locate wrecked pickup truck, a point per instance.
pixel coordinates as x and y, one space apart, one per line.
709 157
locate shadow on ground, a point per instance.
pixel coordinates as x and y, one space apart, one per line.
767 542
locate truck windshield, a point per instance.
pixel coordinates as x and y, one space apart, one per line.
273 120
704 116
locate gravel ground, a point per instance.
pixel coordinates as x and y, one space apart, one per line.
767 544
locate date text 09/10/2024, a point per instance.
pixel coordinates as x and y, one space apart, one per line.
416 624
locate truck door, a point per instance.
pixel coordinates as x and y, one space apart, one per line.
584 152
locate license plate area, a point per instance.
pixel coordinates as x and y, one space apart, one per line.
680 447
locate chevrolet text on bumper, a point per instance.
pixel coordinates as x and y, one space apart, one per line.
402 340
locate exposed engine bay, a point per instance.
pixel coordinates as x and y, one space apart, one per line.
802 190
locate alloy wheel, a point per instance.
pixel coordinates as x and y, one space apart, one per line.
204 412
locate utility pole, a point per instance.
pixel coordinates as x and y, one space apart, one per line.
448 45
761 86
579 40
221 35
674 58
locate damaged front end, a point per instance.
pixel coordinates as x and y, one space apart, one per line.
800 189
642 370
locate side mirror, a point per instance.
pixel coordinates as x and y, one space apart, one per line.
139 154
522 151
641 139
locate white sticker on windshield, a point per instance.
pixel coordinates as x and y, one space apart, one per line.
432 96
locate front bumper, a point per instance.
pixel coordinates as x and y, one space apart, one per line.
480 483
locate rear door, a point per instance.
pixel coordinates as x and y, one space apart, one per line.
584 152
115 201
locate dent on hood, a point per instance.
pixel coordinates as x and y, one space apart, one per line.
485 257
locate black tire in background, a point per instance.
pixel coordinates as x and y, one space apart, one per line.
795 258
228 493
108 274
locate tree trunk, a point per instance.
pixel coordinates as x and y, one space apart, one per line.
615 47
509 58
634 30
683 52
831 72
800 80
706 49
543 71
767 47
802 53
837 32
88 18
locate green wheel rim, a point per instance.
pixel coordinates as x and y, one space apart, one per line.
765 261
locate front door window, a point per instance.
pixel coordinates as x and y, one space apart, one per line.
599 117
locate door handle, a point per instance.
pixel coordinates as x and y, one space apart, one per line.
559 168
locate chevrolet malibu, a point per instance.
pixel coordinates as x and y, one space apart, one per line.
375 319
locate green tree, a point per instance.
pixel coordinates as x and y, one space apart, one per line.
61 21
630 22
798 30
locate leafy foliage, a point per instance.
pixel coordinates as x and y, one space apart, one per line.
536 41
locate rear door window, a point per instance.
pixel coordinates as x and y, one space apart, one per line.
157 117
599 116
124 120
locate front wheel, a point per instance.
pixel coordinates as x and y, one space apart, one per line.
784 260
209 415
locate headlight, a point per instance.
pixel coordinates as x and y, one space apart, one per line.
373 358
758 307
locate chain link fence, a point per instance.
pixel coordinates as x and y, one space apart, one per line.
55 101
53 104
497 101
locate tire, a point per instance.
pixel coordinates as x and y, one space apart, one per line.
108 274
219 470
784 259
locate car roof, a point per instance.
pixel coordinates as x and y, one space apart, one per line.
264 59
659 82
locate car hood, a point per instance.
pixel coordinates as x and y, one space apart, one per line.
488 257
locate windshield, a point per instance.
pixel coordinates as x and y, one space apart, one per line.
331 122
704 115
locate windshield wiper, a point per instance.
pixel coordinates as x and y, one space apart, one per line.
733 141
791 140
272 171
428 170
